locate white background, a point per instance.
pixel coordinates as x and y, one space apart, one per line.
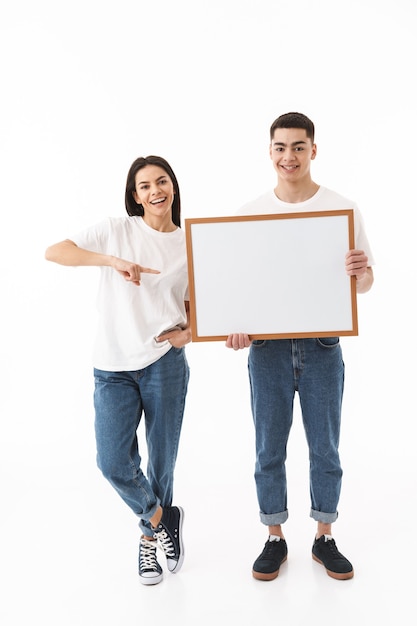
88 86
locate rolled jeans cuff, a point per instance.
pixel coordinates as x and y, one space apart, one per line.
273 519
324 518
144 523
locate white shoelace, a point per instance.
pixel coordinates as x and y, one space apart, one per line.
148 554
165 543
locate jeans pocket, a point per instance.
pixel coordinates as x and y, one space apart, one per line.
257 343
328 342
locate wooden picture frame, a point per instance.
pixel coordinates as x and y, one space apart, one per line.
271 276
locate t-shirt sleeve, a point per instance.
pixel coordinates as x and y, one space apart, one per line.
94 238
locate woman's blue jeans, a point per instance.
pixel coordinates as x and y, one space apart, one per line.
158 393
277 369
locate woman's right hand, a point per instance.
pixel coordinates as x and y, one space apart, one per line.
131 271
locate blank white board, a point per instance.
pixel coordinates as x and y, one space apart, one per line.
271 276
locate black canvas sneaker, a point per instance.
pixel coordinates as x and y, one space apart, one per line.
150 572
266 566
168 533
326 553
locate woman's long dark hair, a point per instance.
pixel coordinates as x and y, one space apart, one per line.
132 207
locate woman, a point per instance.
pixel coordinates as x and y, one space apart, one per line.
140 367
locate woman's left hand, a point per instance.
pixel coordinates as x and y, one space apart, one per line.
177 338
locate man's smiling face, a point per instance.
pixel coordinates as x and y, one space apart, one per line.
291 152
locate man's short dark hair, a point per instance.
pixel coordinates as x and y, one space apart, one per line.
293 120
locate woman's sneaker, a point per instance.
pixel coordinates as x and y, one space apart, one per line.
326 553
266 566
168 533
150 572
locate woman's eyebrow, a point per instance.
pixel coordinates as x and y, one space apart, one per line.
141 182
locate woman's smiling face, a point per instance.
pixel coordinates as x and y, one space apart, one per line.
154 190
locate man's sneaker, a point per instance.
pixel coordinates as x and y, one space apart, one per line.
150 572
325 552
169 536
266 566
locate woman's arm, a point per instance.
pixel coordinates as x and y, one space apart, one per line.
68 253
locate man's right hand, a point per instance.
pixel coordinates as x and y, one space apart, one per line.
238 341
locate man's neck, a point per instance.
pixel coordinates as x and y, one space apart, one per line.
292 193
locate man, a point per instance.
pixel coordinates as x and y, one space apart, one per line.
312 367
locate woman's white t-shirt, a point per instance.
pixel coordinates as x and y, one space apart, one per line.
131 316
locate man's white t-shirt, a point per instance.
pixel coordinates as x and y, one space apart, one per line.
323 200
131 316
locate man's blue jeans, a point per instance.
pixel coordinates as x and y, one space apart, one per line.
158 393
277 369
